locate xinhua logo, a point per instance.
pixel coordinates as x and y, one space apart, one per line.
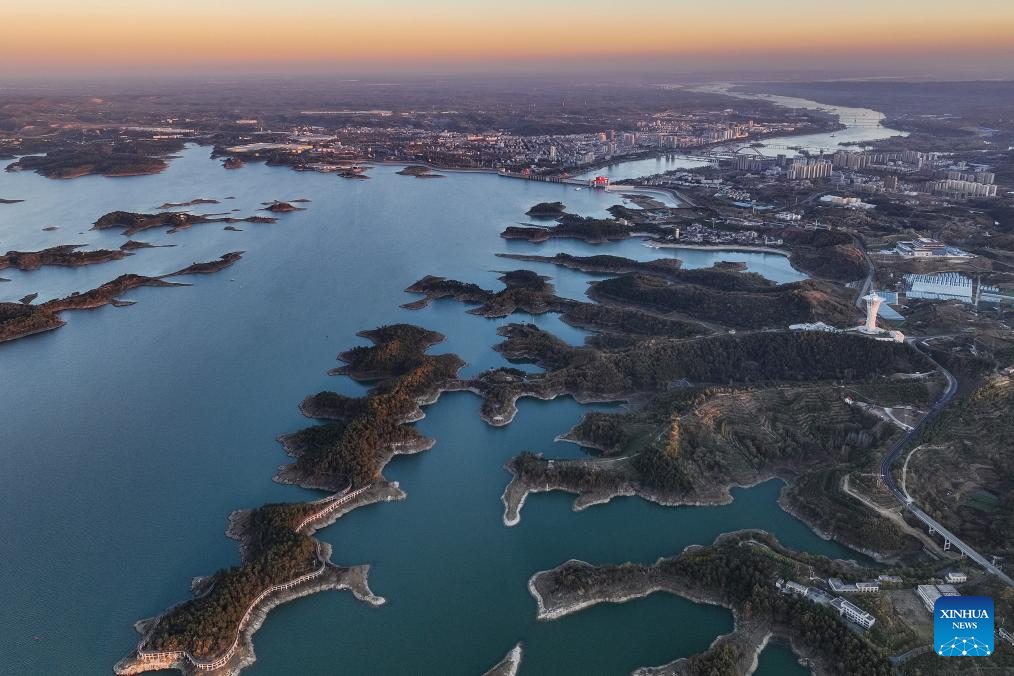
963 626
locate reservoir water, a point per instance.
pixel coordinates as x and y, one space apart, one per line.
131 433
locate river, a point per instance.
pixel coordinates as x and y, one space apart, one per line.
131 433
862 125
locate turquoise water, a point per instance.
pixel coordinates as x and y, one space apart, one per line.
131 433
778 660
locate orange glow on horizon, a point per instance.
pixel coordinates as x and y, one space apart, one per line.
111 32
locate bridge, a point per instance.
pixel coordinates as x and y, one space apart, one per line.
590 183
950 539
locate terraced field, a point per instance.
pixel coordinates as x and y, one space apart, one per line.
962 471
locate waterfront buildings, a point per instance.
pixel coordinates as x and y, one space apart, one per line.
809 169
748 163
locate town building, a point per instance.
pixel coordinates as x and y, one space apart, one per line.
956 577
809 169
940 286
748 163
926 247
847 202
853 613
840 587
956 189
929 593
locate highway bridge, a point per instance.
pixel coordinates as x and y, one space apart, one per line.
950 539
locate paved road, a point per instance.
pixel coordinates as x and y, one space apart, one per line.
885 473
867 284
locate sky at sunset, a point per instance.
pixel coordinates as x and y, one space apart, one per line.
916 35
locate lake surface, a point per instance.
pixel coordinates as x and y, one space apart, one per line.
646 167
131 433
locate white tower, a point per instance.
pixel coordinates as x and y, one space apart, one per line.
873 302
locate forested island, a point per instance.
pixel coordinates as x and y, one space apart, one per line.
211 266
188 203
419 171
281 561
281 207
365 432
132 223
569 226
280 558
65 255
717 295
19 320
547 210
120 158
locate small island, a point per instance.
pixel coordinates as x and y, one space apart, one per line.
419 171
569 226
189 203
19 320
66 255
133 244
281 207
132 223
547 210
211 266
281 562
133 157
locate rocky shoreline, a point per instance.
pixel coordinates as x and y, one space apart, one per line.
353 579
629 581
510 664
65 255
22 320
627 485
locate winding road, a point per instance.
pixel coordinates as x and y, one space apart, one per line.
906 500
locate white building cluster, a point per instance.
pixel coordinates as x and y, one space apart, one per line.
929 593
809 169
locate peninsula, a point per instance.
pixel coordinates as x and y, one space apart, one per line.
18 320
